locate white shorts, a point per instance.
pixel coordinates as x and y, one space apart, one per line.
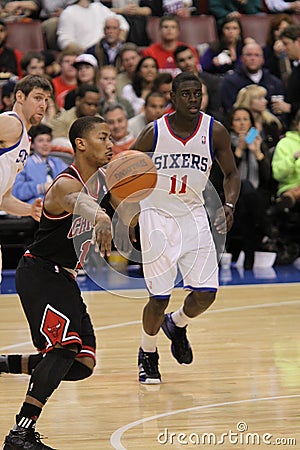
172 243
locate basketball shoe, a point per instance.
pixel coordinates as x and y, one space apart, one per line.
181 349
3 364
23 438
148 367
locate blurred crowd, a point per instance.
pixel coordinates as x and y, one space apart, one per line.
100 60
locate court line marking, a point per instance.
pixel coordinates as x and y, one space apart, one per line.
115 438
137 322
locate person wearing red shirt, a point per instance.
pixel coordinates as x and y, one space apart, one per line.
66 81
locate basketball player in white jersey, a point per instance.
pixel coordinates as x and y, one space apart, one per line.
31 98
173 222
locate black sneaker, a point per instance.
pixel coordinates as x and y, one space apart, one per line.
3 364
26 439
181 349
148 367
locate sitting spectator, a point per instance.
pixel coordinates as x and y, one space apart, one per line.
163 51
116 119
52 66
155 105
254 166
224 55
41 168
129 57
107 49
290 37
10 59
283 6
274 52
86 104
163 85
253 97
7 95
142 83
86 73
251 71
108 89
186 62
222 9
286 167
81 26
33 63
49 14
178 8
135 12
66 81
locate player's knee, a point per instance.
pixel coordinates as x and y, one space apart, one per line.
79 371
204 299
158 305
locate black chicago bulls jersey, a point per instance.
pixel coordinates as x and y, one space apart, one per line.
65 239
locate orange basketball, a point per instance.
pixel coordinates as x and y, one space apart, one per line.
131 175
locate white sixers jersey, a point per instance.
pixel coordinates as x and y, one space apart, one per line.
13 159
183 167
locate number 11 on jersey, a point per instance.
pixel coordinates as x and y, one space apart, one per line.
182 185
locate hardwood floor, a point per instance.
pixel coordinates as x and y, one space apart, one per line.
245 374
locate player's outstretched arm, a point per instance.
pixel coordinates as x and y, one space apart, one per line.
144 141
14 206
66 195
232 182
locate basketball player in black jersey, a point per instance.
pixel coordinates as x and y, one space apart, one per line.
60 325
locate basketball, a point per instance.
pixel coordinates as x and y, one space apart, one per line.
131 175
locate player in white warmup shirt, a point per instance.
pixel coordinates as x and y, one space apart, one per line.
174 227
31 98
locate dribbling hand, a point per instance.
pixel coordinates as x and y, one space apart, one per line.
36 209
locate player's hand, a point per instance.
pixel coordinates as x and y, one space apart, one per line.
103 234
121 237
36 209
224 219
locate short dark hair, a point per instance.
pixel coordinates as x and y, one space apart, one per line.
153 94
291 32
26 60
162 78
82 126
182 77
30 82
167 18
180 49
37 130
84 88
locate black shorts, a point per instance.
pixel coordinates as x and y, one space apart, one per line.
53 306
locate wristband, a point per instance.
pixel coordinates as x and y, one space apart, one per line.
230 205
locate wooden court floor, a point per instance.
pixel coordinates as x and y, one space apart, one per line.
241 392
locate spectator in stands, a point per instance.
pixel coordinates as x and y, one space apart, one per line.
155 105
107 49
163 51
49 14
186 62
222 9
87 104
283 6
116 118
52 66
274 52
290 37
66 81
142 83
33 63
163 85
86 73
10 59
41 168
28 8
286 167
7 96
254 166
253 97
108 88
81 26
135 12
180 8
224 55
129 57
250 72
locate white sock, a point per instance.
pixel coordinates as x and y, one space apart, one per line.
148 342
180 318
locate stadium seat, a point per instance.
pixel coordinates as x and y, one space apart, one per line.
256 26
194 30
25 36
